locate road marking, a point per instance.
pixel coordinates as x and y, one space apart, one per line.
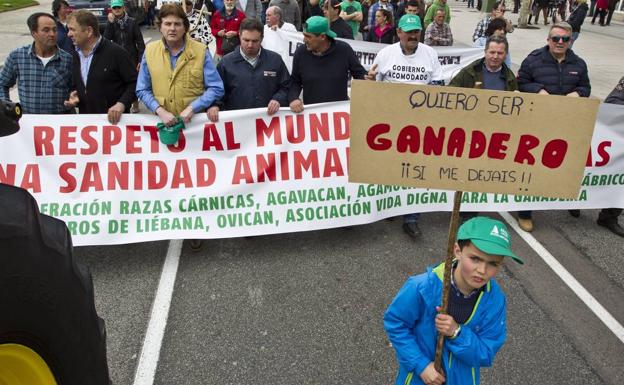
148 361
589 300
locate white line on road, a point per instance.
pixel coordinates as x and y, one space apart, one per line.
591 302
148 361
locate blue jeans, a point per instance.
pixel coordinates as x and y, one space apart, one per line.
575 36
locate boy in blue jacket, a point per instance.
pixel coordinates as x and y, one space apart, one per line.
475 324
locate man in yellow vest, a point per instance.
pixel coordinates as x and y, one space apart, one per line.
177 77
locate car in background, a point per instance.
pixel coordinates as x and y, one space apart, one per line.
101 9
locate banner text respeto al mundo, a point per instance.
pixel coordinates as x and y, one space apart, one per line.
248 174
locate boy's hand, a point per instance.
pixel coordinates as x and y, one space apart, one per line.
430 376
445 324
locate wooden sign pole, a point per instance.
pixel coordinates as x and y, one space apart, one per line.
447 273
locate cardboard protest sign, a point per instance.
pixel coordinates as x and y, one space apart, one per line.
469 139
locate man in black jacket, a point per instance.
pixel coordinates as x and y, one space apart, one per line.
331 9
103 73
553 70
322 66
252 77
124 30
576 18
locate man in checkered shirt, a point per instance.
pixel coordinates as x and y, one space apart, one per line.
42 71
439 33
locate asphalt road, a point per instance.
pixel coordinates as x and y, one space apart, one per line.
306 308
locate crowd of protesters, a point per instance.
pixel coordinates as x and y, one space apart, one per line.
71 67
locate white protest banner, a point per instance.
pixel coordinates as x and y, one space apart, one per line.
453 59
250 174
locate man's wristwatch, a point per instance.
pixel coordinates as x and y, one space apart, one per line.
456 332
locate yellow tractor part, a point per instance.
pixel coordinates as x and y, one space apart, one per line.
20 365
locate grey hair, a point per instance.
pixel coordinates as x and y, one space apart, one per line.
278 12
497 39
562 25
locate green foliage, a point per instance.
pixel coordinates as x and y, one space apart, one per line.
9 5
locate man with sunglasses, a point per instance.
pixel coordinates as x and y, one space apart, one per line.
553 70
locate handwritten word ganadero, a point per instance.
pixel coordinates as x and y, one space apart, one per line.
466 144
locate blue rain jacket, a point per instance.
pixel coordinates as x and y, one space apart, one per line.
409 324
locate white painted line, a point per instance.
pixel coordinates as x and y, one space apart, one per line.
148 361
589 300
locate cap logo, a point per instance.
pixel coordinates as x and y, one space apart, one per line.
500 233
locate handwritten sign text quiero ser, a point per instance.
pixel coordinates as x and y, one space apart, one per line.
469 139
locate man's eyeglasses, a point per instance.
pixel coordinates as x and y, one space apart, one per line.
116 7
558 39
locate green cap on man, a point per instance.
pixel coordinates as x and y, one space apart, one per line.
117 3
318 25
409 23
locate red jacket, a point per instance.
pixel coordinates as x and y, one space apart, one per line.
220 21
602 4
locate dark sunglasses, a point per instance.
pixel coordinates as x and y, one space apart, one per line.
557 39
116 7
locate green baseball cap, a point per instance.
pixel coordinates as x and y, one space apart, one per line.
410 23
318 25
117 3
488 235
